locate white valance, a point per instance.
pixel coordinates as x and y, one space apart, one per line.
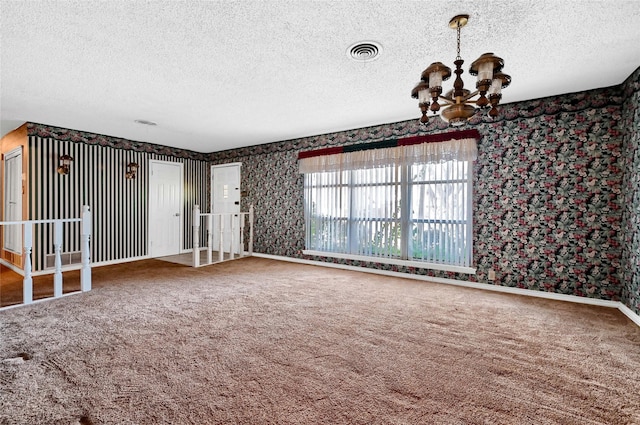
434 152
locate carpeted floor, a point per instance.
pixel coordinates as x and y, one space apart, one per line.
257 341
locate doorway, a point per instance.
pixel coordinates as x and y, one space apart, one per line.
165 208
12 240
225 198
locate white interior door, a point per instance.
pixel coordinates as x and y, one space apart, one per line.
225 198
165 208
13 200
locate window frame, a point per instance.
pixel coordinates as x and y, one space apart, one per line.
406 221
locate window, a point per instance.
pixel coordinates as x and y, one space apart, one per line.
408 212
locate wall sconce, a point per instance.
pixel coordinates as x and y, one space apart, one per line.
65 161
132 170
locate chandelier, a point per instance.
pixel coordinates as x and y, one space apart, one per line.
458 104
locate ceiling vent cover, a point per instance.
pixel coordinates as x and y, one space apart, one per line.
146 122
364 51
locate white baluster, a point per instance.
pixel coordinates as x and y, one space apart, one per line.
27 281
57 249
221 247
251 229
209 239
232 234
242 219
85 272
196 236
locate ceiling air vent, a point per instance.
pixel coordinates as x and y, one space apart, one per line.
364 51
146 122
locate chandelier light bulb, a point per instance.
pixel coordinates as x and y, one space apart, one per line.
435 79
423 95
485 71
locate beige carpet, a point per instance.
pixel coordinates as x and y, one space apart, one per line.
187 259
258 341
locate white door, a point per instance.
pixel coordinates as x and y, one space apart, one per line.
225 198
13 200
165 208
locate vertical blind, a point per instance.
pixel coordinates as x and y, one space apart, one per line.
405 202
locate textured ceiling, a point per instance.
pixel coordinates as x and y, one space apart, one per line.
216 75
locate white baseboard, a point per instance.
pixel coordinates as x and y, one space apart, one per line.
201 249
124 260
485 286
12 267
630 314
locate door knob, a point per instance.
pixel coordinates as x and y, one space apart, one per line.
237 202
177 214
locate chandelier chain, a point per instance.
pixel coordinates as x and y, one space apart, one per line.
458 57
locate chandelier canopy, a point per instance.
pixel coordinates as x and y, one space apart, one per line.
458 104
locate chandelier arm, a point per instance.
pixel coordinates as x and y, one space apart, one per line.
465 99
470 95
447 99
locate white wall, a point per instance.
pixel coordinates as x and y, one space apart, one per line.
9 125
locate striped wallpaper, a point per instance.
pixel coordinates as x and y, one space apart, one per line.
119 206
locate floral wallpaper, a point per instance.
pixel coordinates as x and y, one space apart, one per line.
547 211
275 188
547 193
630 269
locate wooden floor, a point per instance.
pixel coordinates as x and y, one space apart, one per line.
11 286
